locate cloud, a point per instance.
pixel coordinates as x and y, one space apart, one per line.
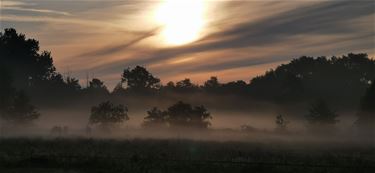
265 32
37 10
321 19
114 49
52 20
325 18
19 6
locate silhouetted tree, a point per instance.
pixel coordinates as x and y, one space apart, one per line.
97 84
170 86
24 60
33 70
235 87
184 115
179 115
97 89
119 90
212 85
281 123
200 117
366 115
106 115
168 90
320 115
139 79
73 84
21 111
156 119
213 82
343 79
186 86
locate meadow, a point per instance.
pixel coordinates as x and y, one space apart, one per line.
76 155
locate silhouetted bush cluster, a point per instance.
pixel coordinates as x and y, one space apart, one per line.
106 115
179 115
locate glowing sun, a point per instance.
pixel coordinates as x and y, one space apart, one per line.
182 20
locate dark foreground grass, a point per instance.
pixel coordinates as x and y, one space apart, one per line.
175 156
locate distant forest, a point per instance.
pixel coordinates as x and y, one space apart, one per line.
28 77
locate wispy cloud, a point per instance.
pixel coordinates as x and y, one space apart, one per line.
323 19
27 6
37 10
245 35
114 49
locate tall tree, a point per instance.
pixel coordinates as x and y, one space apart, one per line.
73 84
22 57
97 88
33 70
213 82
186 86
212 85
140 79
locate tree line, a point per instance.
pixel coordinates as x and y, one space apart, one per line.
29 75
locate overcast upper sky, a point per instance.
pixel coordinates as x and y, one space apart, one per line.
234 40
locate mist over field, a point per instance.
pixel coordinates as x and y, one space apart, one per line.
226 126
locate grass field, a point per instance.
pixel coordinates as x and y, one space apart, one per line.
37 155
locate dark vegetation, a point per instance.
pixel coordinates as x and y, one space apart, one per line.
321 116
29 76
343 79
179 115
180 156
106 115
15 106
366 114
334 79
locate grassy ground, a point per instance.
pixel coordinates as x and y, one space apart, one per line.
175 156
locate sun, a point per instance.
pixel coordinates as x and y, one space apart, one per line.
182 20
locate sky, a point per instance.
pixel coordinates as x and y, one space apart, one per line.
196 39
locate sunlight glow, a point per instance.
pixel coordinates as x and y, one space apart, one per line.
182 20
